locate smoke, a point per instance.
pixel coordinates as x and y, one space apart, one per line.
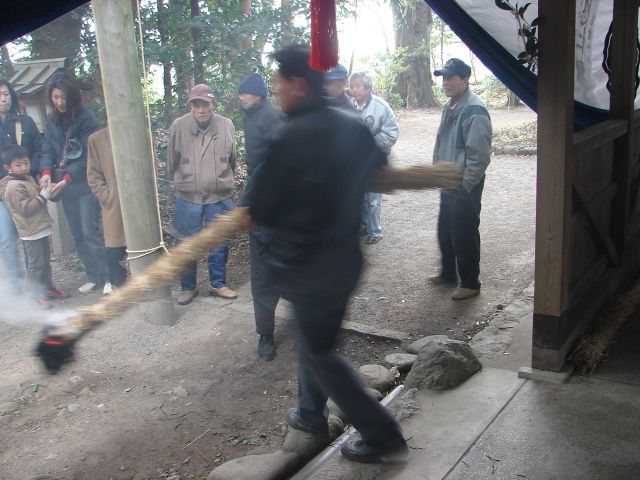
17 309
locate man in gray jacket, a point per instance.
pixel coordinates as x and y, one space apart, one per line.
382 123
201 156
464 138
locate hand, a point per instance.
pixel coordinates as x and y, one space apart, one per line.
57 188
246 222
45 181
46 192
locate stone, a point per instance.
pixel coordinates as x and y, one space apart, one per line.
377 376
442 364
403 361
377 394
416 346
335 409
336 426
277 465
405 406
303 444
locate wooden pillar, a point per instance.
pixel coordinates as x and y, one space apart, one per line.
555 178
623 92
132 152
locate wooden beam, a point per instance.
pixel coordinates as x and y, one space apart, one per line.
130 141
624 42
596 136
555 155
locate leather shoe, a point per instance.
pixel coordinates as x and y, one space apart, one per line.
266 347
295 422
358 450
187 296
440 280
464 293
223 292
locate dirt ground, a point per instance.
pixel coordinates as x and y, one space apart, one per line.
149 402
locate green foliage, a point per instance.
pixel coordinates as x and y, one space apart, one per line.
492 91
527 31
385 68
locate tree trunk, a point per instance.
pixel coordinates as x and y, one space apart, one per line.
60 38
198 46
286 35
245 11
181 51
166 62
413 20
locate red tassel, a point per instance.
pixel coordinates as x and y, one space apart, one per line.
324 35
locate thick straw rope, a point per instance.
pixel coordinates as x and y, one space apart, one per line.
168 267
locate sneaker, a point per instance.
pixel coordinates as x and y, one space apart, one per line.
224 292
464 293
107 290
358 450
440 280
371 240
87 287
295 422
266 347
187 296
56 294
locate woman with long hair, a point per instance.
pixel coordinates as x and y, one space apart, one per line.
15 129
64 164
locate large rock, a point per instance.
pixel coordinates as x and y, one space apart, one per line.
416 346
403 361
442 364
377 376
278 465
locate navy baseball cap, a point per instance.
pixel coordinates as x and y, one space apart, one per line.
454 66
338 72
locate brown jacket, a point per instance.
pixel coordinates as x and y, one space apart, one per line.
201 166
101 176
28 208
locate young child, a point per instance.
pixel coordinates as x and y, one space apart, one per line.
28 207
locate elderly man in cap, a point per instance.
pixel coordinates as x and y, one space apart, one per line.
464 139
335 81
201 156
382 123
260 121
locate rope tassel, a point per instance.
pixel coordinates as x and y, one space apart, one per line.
324 35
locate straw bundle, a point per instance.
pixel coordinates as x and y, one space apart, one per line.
418 177
168 267
591 348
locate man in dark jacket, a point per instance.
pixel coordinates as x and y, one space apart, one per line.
309 190
260 121
335 81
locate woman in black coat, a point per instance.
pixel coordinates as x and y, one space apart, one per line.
12 125
64 163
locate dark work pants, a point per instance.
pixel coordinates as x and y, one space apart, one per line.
322 373
459 236
38 279
265 297
117 273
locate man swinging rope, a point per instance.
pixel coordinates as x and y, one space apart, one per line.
308 190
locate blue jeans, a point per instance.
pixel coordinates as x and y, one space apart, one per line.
82 216
371 208
9 247
188 221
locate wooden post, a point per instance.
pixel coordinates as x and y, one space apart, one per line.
623 93
555 178
130 143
